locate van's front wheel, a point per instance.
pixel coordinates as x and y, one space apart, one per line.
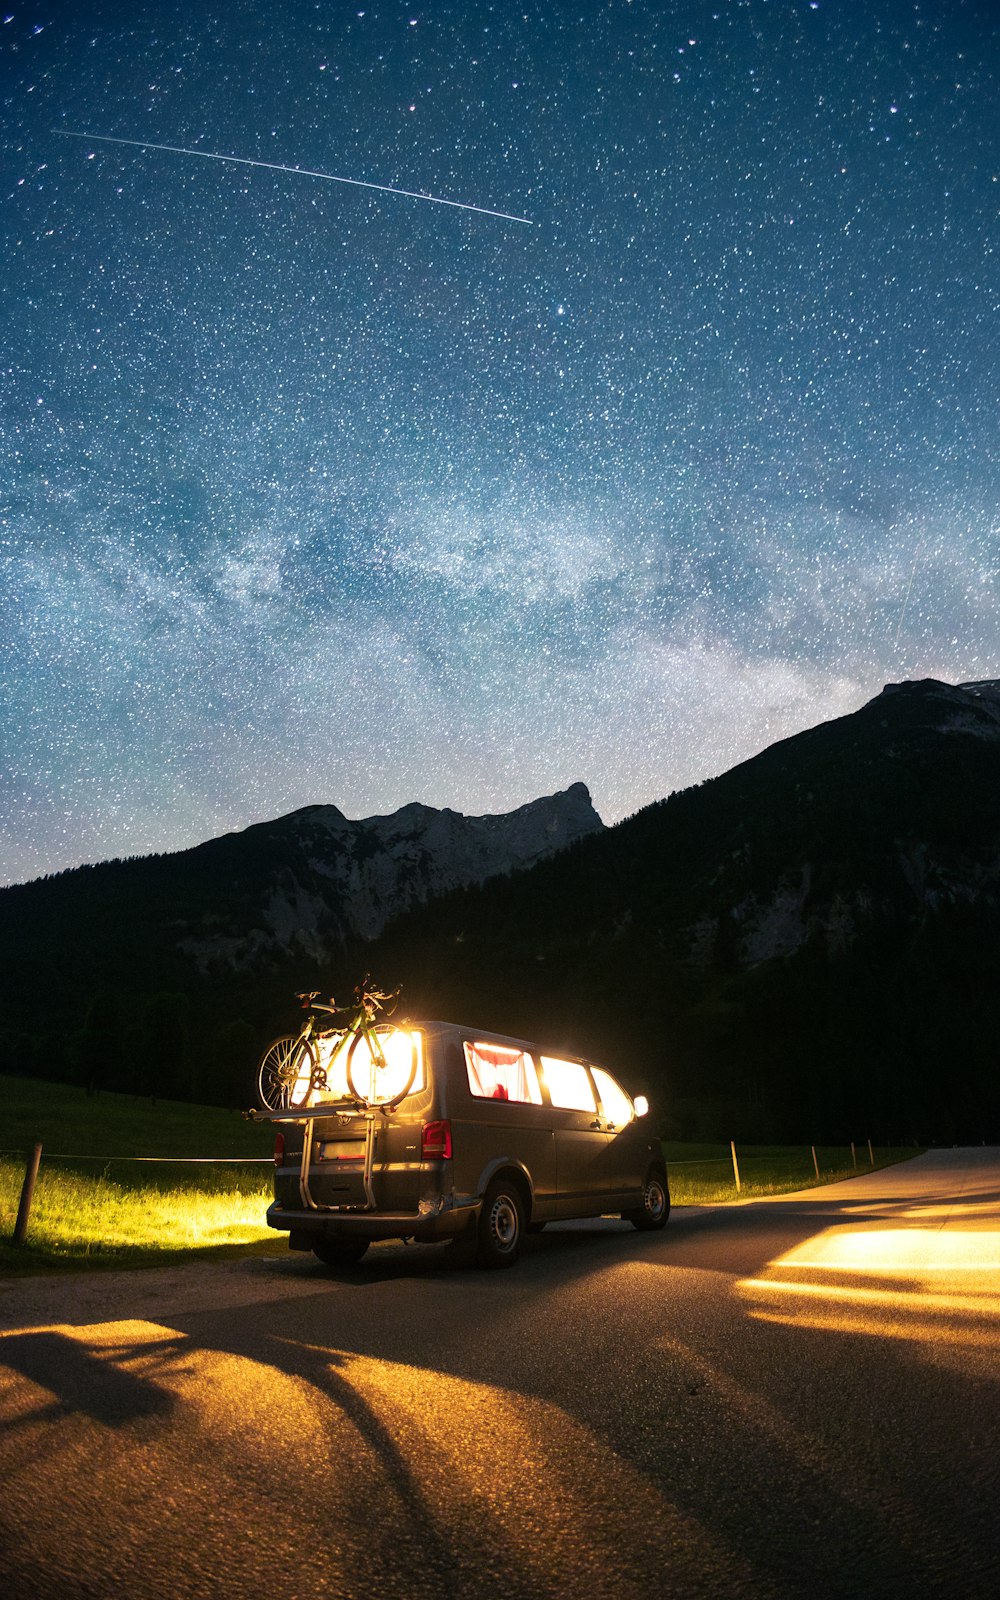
501 1225
655 1208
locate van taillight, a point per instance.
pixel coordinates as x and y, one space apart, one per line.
435 1141
279 1149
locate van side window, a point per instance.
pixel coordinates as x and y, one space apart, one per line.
500 1072
615 1103
568 1084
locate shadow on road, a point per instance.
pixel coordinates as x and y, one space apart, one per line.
82 1382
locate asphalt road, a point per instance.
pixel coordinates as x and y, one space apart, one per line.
785 1398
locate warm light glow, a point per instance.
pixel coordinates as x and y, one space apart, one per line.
332 1052
925 1284
568 1084
615 1103
442 1458
898 1252
381 1083
501 1072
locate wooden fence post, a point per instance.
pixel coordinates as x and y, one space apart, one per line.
871 1153
736 1167
815 1162
854 1156
27 1192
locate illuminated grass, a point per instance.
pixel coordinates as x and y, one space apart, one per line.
703 1174
120 1218
94 1208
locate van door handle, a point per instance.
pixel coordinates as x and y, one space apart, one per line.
596 1123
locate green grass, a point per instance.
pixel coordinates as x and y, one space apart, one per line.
71 1122
703 1174
94 1208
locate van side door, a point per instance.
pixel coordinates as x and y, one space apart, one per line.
581 1145
629 1150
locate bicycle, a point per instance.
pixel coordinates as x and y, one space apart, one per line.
291 1072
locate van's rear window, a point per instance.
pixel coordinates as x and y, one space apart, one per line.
502 1072
402 1050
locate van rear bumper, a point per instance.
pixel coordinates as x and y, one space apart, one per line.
304 1225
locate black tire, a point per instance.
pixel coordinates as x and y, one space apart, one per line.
339 1252
360 1091
655 1208
501 1225
281 1065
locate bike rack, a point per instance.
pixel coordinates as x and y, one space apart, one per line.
308 1116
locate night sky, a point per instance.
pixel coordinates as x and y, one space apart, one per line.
313 494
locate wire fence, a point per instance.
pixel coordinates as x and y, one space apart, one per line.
240 1161
749 1170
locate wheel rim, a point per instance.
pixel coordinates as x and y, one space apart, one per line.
366 1093
278 1074
275 1077
504 1223
654 1199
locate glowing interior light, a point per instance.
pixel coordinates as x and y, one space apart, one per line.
336 1052
303 1080
381 1082
568 1084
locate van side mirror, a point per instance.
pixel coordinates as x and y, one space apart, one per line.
641 1105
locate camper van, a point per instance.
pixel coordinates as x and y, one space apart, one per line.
436 1131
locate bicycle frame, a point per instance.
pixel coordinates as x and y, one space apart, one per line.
359 1020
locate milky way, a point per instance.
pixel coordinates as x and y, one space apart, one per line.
311 495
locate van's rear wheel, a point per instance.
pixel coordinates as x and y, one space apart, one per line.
339 1252
655 1208
501 1225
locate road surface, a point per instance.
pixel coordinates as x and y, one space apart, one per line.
793 1397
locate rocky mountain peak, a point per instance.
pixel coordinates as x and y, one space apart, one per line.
329 878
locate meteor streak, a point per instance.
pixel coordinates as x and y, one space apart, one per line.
303 172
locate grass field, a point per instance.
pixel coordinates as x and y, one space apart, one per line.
97 1206
703 1174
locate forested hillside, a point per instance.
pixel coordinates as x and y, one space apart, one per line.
809 942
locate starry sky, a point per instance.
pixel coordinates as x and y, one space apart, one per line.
314 494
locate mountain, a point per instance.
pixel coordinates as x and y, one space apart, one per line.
328 880
802 947
225 931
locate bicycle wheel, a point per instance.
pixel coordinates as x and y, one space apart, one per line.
377 1085
285 1073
